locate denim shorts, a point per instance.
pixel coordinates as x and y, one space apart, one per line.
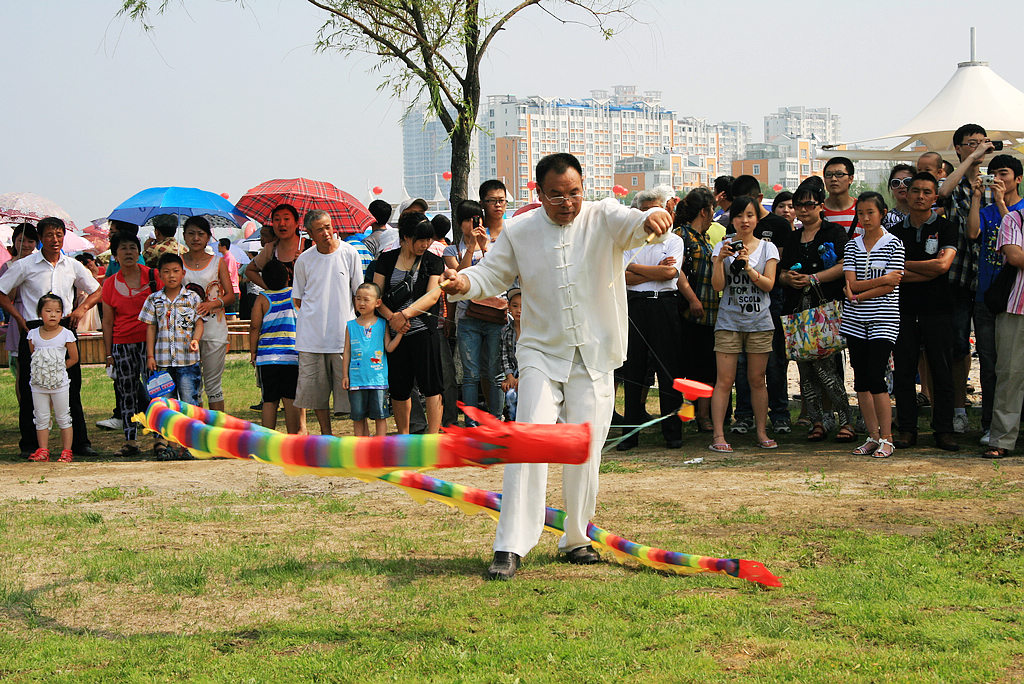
367 403
188 381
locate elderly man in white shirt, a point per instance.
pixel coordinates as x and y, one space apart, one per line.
49 270
568 257
655 333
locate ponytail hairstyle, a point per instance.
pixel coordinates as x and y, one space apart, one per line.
690 207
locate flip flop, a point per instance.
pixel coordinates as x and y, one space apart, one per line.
768 444
721 447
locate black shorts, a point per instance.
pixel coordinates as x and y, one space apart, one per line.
417 358
278 381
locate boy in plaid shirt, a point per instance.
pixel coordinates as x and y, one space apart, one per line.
509 363
174 330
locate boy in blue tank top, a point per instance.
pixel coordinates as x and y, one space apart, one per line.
272 348
365 365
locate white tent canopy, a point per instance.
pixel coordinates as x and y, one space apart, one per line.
975 94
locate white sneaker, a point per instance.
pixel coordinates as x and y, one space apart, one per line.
985 438
109 424
960 423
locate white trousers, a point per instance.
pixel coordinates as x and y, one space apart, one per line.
523 498
61 402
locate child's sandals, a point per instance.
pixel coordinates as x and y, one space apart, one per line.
66 456
40 455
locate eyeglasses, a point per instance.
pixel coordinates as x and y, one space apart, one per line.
973 143
809 204
495 202
559 201
895 183
836 174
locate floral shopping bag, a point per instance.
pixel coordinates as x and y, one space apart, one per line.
814 333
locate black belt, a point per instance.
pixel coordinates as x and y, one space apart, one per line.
630 294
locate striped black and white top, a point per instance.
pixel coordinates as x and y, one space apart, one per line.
877 318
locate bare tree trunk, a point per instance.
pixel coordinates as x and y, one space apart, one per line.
461 156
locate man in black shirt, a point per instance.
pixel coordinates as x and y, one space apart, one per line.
776 230
925 314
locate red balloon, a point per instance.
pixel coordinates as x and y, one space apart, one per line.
447 175
224 195
777 187
620 191
532 185
377 190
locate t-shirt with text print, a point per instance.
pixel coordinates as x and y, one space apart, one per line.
745 307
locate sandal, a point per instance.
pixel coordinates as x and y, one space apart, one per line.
817 433
704 425
66 456
721 448
885 449
867 448
846 434
128 449
40 455
768 444
995 452
802 422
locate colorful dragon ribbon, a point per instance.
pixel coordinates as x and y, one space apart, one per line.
211 434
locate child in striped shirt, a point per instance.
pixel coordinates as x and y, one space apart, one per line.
272 348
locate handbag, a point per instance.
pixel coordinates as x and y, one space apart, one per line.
998 293
399 294
814 332
490 310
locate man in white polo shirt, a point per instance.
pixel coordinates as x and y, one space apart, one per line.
49 270
654 328
569 260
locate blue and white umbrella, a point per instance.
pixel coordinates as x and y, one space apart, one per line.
143 205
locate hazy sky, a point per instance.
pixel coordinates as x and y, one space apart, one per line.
223 97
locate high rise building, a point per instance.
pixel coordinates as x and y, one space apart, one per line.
426 156
600 129
814 123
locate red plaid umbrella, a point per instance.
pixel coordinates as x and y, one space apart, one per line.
348 215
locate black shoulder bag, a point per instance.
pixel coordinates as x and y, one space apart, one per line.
399 294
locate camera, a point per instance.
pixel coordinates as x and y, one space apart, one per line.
997 145
738 265
987 180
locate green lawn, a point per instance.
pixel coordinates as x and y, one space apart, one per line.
227 571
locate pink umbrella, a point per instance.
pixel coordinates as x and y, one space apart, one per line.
19 207
73 242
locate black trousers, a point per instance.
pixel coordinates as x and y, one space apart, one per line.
655 338
26 424
934 331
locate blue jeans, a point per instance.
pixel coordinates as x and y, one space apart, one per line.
189 382
480 352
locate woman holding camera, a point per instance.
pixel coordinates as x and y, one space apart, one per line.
812 272
744 271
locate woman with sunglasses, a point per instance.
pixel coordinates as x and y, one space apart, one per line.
899 183
811 271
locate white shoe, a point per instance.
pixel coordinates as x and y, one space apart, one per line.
985 438
109 424
960 423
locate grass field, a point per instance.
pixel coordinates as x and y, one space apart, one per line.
906 570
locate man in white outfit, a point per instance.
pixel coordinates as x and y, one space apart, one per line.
569 261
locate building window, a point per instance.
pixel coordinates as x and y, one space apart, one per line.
756 171
636 181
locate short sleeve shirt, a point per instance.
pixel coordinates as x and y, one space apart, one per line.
989 258
744 306
1012 233
175 321
923 243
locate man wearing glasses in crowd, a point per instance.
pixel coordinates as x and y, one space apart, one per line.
839 206
971 144
495 199
568 255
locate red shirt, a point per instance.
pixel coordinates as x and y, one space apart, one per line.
843 217
127 304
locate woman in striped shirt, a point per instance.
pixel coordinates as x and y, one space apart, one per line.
873 265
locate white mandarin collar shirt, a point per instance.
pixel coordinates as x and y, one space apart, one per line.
652 255
564 272
34 276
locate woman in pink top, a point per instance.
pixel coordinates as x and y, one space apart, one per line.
124 335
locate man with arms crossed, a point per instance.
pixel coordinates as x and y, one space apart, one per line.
569 260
